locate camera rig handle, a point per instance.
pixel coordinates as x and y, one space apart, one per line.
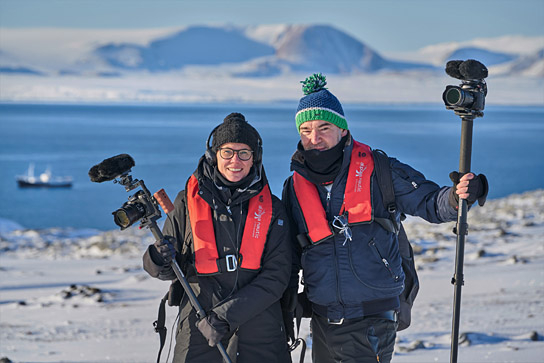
162 198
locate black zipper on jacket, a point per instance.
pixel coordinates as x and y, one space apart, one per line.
338 292
228 207
336 273
383 259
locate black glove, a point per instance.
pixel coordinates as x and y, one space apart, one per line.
213 328
163 251
477 189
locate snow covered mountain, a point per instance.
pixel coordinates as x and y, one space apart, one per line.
254 51
250 51
198 45
328 49
259 63
504 56
11 64
531 65
487 57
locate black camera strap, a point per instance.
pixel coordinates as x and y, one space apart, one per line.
159 324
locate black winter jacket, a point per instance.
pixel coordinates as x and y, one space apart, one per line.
248 300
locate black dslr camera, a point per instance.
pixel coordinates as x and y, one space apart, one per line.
467 99
141 206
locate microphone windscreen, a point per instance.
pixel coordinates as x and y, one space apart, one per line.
111 168
472 69
452 69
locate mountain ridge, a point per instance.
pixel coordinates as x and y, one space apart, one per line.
270 50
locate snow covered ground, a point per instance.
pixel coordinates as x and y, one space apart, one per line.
82 296
204 85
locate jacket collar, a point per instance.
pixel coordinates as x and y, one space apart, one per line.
213 192
297 160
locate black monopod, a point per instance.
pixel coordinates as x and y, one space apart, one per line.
144 208
467 101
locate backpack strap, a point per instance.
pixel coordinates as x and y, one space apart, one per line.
385 184
159 325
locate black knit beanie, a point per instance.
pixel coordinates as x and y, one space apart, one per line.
235 128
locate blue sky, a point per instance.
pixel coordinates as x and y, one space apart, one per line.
386 25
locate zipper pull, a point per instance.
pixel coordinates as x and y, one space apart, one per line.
228 210
414 184
386 263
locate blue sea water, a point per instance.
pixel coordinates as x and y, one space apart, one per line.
166 142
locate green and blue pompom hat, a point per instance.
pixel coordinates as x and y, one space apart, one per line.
319 104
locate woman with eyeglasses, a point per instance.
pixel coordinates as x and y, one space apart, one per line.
229 234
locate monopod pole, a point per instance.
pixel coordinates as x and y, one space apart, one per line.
461 230
201 314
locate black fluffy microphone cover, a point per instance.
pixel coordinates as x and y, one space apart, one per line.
472 69
452 69
111 168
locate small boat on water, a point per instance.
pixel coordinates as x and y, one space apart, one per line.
45 179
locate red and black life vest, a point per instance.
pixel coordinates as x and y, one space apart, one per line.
357 196
258 221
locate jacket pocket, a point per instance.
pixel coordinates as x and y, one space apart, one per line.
320 274
384 260
379 274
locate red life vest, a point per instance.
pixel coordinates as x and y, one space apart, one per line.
253 238
357 196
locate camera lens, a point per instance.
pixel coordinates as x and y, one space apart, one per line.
456 96
453 96
125 216
121 218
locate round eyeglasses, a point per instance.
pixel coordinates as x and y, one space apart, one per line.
243 154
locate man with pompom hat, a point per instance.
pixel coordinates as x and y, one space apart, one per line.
344 239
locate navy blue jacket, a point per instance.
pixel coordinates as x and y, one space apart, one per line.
349 279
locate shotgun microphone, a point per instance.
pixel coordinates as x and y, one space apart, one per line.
472 69
111 168
466 70
452 69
